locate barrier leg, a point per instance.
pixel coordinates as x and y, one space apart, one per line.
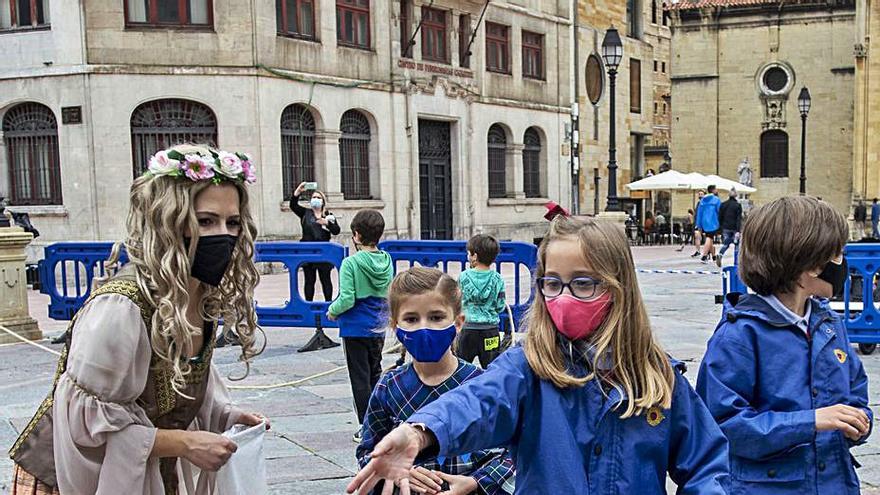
318 341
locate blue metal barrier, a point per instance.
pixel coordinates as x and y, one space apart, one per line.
297 312
863 327
89 257
860 316
440 254
87 261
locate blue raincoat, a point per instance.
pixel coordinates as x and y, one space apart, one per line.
570 441
707 214
763 379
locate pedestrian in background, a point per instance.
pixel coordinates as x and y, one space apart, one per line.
318 225
698 234
707 220
860 217
730 214
875 219
482 299
779 374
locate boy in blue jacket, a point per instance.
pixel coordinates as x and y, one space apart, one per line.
779 374
361 307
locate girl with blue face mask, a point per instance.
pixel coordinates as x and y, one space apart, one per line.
425 306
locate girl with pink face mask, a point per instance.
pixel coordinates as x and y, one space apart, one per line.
590 404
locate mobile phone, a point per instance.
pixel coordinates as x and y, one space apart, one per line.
311 186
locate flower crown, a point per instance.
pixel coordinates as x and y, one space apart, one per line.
199 163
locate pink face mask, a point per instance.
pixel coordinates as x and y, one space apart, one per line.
577 319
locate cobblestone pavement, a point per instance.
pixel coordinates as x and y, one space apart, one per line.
310 450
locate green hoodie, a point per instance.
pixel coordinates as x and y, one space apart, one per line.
482 296
364 275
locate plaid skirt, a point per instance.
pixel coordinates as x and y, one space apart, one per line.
24 483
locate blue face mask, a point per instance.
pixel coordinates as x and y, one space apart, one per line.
427 345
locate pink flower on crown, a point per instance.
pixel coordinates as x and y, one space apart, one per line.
160 164
247 168
230 164
198 167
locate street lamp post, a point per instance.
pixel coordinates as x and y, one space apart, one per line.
612 53
804 102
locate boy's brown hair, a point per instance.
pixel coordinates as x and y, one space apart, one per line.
370 225
485 247
787 237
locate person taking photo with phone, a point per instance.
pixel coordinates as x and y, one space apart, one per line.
318 225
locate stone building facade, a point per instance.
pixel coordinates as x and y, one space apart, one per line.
447 124
737 69
866 145
642 96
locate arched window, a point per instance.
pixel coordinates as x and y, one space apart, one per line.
774 154
497 142
297 147
532 163
30 133
354 155
159 124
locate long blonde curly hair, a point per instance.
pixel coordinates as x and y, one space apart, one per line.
161 210
640 368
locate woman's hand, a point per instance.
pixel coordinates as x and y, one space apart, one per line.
321 221
299 189
392 460
458 485
253 419
208 451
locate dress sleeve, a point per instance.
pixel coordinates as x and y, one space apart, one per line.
102 438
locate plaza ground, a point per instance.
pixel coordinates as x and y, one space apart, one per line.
309 449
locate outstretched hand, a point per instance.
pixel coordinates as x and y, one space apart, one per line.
391 461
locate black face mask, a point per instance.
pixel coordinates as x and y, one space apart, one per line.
835 275
213 254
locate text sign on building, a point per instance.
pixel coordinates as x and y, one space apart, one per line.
71 115
436 69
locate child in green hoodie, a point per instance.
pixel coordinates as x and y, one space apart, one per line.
482 299
361 307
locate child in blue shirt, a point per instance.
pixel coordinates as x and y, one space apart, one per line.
589 405
426 313
779 374
482 299
361 307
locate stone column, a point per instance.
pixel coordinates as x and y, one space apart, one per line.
328 171
515 183
14 314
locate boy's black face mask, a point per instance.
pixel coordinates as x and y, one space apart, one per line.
213 255
835 274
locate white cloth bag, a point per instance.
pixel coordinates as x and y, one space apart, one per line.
245 472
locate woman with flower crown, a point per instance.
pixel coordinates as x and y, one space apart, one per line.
136 403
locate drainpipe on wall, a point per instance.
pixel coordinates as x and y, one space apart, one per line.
87 93
393 126
575 128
